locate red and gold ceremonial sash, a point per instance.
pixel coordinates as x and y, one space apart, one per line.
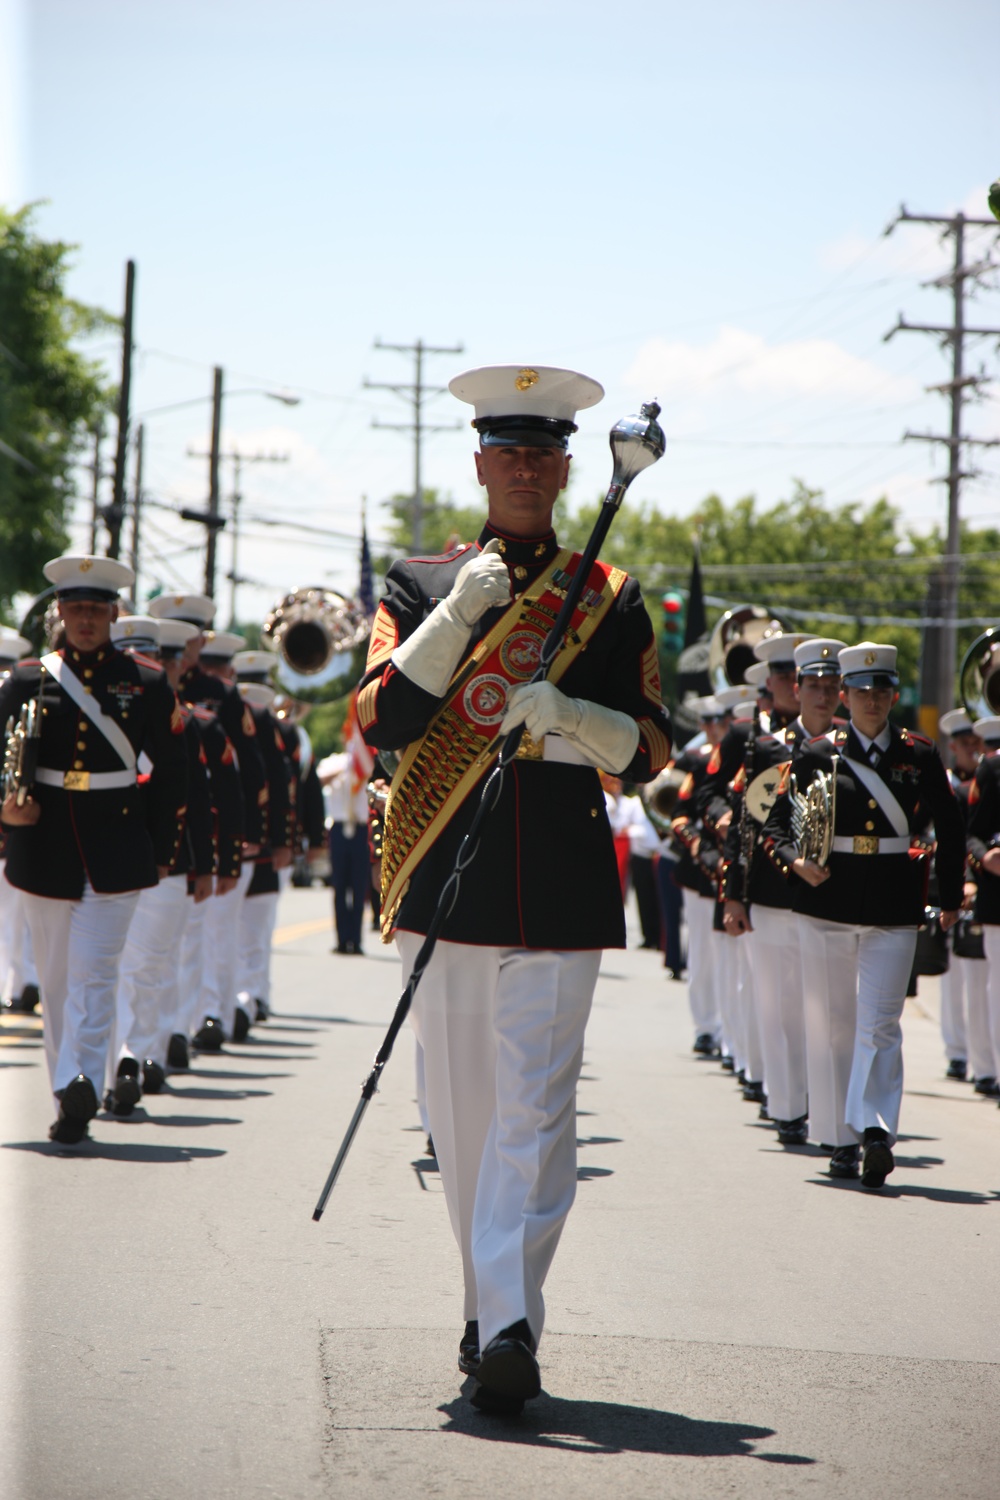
438 771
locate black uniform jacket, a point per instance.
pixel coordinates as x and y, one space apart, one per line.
694 872
984 834
237 721
226 792
280 828
196 855
766 885
114 838
545 875
878 890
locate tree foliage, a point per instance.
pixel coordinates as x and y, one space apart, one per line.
51 396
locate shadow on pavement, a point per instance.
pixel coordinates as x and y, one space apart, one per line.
907 1190
584 1174
604 1427
227 1073
325 1020
108 1151
233 1094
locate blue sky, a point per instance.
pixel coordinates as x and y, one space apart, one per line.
682 201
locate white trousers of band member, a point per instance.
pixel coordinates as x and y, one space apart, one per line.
149 976
188 1014
78 946
258 915
17 963
724 965
777 969
502 1032
220 953
991 943
751 1057
854 982
965 1020
702 981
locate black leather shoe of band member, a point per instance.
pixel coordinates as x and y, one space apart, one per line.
754 1093
263 1009
793 1132
704 1044
241 1025
153 1076
876 1158
468 1349
178 1054
844 1162
987 1086
210 1036
508 1367
24 1003
957 1068
127 1090
727 1065
78 1105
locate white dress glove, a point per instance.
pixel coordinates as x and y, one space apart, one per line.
430 655
606 737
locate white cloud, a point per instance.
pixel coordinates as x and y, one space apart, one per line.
916 250
737 361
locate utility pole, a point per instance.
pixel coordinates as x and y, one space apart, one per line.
136 510
942 650
237 459
95 503
416 394
115 513
213 522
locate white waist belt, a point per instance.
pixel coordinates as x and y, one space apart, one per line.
558 749
85 781
868 843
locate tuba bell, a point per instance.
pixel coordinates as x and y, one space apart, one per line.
659 798
730 650
310 628
979 678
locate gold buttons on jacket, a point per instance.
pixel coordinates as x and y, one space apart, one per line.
593 812
81 744
872 803
870 826
78 765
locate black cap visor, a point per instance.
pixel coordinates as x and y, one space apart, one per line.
523 432
80 593
871 680
820 669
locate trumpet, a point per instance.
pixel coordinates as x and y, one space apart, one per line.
310 627
659 798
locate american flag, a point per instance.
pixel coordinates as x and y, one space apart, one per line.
361 758
366 584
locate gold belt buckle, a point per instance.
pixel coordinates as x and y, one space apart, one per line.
530 749
865 843
76 781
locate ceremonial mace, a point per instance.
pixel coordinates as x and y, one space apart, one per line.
636 443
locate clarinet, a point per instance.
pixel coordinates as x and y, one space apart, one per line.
748 831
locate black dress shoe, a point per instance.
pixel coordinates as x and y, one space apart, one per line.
209 1036
468 1349
77 1107
241 1025
987 1086
957 1068
127 1090
25 1002
727 1064
153 1076
704 1044
178 1055
876 1158
508 1367
263 1009
429 1149
844 1162
792 1132
753 1093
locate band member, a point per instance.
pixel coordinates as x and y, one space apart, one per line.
86 843
861 911
502 1007
18 976
753 881
984 859
965 1029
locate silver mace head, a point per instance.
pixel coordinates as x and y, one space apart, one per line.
636 443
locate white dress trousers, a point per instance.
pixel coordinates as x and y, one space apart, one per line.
220 954
149 976
188 1013
854 982
965 1019
78 945
258 915
502 1031
777 967
702 991
17 964
745 1009
991 943
723 958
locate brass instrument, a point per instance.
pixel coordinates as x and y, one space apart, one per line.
659 798
979 678
21 753
814 814
310 628
730 650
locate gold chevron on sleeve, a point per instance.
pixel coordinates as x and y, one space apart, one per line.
384 638
656 743
366 705
650 667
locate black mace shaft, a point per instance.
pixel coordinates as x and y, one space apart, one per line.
639 443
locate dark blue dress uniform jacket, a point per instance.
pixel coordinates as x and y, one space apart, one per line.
236 719
545 875
877 890
113 838
984 834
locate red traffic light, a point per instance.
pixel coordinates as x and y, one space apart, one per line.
673 604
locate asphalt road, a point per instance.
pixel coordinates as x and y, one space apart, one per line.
723 1319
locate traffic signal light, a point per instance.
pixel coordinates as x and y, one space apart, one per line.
673 621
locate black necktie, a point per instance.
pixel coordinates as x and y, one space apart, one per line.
874 754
